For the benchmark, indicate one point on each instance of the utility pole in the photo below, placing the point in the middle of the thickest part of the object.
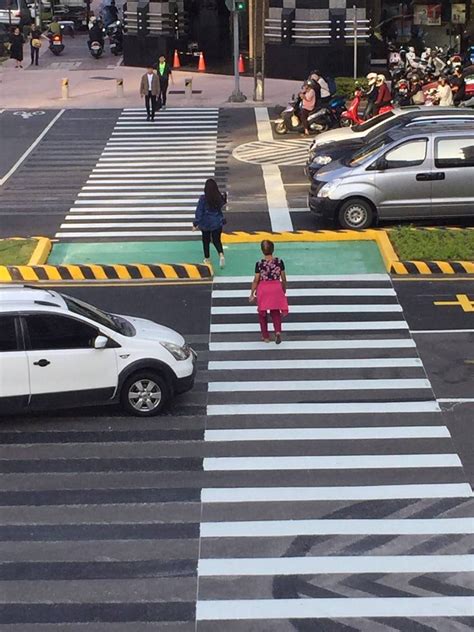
(235, 6)
(259, 14)
(355, 40)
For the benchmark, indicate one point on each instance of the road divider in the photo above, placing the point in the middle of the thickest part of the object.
(114, 272)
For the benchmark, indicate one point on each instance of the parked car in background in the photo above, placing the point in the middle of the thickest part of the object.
(57, 351)
(325, 154)
(407, 174)
(18, 10)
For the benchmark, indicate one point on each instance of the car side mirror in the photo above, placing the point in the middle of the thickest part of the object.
(100, 342)
(382, 164)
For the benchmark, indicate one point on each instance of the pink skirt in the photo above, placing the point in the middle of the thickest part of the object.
(270, 296)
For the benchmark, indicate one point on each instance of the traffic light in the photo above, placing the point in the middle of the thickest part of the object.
(287, 26)
(338, 27)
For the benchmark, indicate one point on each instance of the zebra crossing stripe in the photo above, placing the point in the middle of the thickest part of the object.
(308, 345)
(337, 608)
(320, 326)
(327, 308)
(334, 564)
(346, 408)
(338, 492)
(358, 363)
(284, 528)
(327, 434)
(332, 462)
(317, 385)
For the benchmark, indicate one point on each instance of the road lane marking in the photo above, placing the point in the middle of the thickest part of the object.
(327, 308)
(323, 363)
(24, 156)
(326, 278)
(312, 292)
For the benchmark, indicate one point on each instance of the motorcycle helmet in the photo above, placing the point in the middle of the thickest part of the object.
(380, 79)
(411, 49)
(371, 78)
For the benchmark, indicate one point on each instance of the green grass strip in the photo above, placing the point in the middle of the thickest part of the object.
(16, 252)
(432, 245)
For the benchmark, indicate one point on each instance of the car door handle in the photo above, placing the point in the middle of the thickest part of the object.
(423, 177)
(43, 362)
(439, 176)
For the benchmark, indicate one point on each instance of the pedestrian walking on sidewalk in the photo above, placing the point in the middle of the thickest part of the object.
(164, 74)
(269, 289)
(35, 44)
(16, 47)
(210, 220)
(149, 88)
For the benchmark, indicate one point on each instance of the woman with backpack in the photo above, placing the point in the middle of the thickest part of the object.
(210, 219)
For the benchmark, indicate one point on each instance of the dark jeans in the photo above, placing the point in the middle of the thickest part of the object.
(215, 235)
(163, 93)
(150, 104)
(34, 55)
(304, 118)
(369, 109)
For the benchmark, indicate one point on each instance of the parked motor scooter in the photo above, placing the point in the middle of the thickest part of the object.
(352, 117)
(56, 45)
(115, 35)
(319, 121)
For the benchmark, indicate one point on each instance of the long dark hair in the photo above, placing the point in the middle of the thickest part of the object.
(214, 197)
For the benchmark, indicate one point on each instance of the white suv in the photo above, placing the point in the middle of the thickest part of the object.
(57, 351)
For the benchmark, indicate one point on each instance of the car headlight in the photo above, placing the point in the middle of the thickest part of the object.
(322, 160)
(329, 187)
(178, 353)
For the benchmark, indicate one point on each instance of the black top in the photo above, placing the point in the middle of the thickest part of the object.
(270, 269)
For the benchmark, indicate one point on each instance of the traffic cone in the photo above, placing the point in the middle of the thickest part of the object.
(241, 64)
(176, 62)
(202, 63)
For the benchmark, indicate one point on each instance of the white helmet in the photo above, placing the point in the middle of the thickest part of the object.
(411, 49)
(371, 78)
(380, 80)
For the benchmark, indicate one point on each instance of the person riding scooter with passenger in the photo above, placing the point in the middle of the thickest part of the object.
(371, 95)
(318, 80)
(309, 97)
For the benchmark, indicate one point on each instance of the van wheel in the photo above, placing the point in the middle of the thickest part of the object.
(280, 128)
(144, 394)
(356, 213)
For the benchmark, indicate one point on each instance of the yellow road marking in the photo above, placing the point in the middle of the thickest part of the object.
(462, 301)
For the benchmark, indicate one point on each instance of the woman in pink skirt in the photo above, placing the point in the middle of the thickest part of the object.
(269, 288)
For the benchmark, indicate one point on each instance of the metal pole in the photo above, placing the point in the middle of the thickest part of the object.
(236, 96)
(355, 41)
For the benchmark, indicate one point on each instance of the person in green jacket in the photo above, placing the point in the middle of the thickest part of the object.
(164, 74)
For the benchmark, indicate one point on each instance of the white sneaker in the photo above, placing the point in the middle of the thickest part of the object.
(221, 261)
(207, 262)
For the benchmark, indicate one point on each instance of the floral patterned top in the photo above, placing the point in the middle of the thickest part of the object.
(270, 269)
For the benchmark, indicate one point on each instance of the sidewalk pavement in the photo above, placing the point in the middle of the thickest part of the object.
(89, 89)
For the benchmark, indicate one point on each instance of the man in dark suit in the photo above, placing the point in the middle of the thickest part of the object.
(164, 73)
(150, 88)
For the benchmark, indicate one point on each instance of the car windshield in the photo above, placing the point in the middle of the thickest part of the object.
(361, 155)
(363, 127)
(116, 323)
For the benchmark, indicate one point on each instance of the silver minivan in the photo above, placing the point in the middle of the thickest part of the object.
(404, 174)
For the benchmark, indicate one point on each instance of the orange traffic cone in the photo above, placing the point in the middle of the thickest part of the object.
(241, 64)
(202, 63)
(176, 62)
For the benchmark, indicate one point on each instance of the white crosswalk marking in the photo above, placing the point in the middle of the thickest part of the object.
(140, 176)
(332, 472)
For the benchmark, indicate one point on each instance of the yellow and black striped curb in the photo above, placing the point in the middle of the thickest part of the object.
(98, 272)
(432, 267)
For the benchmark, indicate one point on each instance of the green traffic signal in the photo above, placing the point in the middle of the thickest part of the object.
(240, 6)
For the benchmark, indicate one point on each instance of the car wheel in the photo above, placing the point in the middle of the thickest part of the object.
(144, 394)
(280, 128)
(356, 213)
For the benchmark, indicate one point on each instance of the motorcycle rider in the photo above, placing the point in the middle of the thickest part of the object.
(110, 13)
(458, 86)
(308, 104)
(96, 33)
(417, 96)
(54, 28)
(384, 97)
(316, 77)
(411, 62)
(371, 95)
